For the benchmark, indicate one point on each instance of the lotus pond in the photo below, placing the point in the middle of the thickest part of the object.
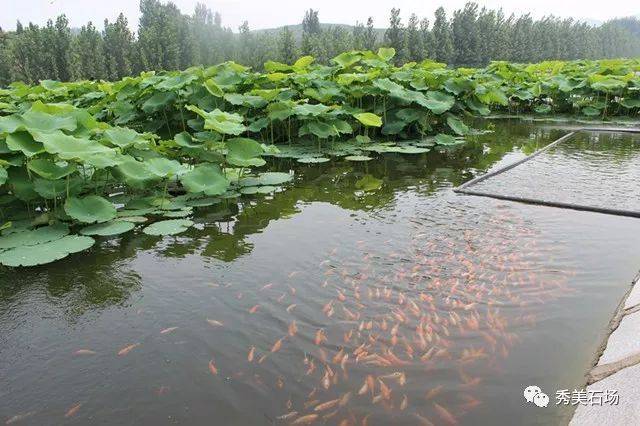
(366, 293)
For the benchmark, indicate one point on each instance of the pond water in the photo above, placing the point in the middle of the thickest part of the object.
(405, 304)
(596, 169)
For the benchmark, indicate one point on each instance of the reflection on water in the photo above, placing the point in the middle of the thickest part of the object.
(325, 303)
(598, 169)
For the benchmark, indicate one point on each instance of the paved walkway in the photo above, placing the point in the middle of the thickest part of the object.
(618, 369)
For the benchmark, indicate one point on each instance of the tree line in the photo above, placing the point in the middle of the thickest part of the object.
(167, 39)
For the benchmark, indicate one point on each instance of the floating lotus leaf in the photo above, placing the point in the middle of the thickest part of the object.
(408, 149)
(24, 142)
(135, 212)
(443, 139)
(368, 183)
(358, 158)
(178, 213)
(168, 227)
(115, 227)
(369, 119)
(203, 202)
(205, 178)
(49, 252)
(49, 169)
(249, 190)
(90, 209)
(134, 219)
(25, 237)
(244, 152)
(312, 160)
(267, 178)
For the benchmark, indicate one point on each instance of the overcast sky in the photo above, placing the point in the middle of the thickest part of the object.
(275, 13)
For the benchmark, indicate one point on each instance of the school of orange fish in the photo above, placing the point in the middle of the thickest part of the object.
(391, 323)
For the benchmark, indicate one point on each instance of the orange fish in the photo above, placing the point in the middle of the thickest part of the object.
(73, 410)
(326, 405)
(128, 349)
(168, 330)
(251, 354)
(254, 309)
(277, 345)
(445, 415)
(212, 368)
(84, 352)
(305, 420)
(293, 328)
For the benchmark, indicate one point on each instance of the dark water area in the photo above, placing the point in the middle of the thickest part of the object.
(596, 169)
(406, 304)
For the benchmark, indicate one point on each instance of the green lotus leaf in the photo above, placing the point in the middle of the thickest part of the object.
(408, 149)
(220, 121)
(158, 102)
(176, 82)
(165, 168)
(438, 102)
(369, 119)
(69, 147)
(267, 178)
(346, 59)
(244, 152)
(26, 237)
(10, 124)
(133, 219)
(90, 209)
(457, 125)
(386, 53)
(185, 140)
(205, 178)
(127, 213)
(42, 122)
(358, 158)
(443, 139)
(178, 213)
(543, 109)
(203, 202)
(24, 142)
(250, 190)
(124, 137)
(213, 88)
(115, 227)
(590, 111)
(312, 160)
(630, 103)
(608, 84)
(368, 183)
(134, 173)
(21, 185)
(49, 169)
(3, 175)
(168, 227)
(42, 254)
(303, 62)
(51, 189)
(320, 129)
(310, 109)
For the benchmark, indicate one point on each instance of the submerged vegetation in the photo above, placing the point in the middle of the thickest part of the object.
(102, 157)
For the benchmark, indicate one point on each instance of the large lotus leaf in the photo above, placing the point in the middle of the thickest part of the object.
(163, 167)
(51, 189)
(630, 103)
(49, 169)
(438, 102)
(320, 129)
(608, 84)
(368, 183)
(42, 254)
(24, 142)
(491, 95)
(27, 237)
(124, 137)
(21, 185)
(10, 123)
(369, 119)
(389, 86)
(42, 122)
(280, 110)
(409, 115)
(69, 147)
(303, 62)
(457, 125)
(168, 227)
(386, 53)
(158, 102)
(205, 178)
(267, 178)
(590, 111)
(133, 172)
(3, 175)
(176, 82)
(220, 121)
(310, 109)
(213, 88)
(244, 152)
(357, 158)
(246, 100)
(259, 124)
(443, 139)
(115, 227)
(90, 209)
(185, 140)
(346, 59)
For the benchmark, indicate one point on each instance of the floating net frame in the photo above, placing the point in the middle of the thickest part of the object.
(465, 187)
